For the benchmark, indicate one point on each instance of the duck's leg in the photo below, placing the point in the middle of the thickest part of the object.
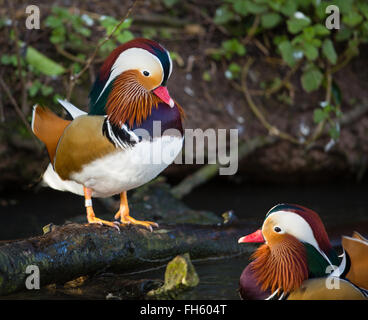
(124, 216)
(90, 214)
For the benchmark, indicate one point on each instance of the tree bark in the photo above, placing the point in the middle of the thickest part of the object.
(73, 250)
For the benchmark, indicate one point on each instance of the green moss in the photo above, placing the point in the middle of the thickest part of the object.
(180, 275)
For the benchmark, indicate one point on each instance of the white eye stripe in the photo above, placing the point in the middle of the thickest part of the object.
(134, 58)
(295, 225)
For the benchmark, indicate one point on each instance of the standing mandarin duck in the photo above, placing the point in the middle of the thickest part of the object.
(297, 257)
(109, 150)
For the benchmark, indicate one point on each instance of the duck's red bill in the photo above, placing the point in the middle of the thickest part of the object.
(255, 237)
(164, 95)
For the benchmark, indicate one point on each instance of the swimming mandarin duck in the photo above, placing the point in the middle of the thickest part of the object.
(132, 119)
(297, 261)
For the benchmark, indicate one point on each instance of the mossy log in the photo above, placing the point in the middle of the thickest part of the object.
(73, 250)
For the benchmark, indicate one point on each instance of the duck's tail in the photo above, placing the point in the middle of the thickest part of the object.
(48, 127)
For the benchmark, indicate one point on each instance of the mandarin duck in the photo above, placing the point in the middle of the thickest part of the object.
(297, 261)
(132, 118)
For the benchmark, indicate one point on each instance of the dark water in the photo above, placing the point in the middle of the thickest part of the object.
(343, 208)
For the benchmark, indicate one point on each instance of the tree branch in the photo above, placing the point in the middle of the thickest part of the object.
(74, 250)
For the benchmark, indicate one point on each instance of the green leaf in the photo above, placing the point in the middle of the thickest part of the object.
(241, 7)
(334, 132)
(270, 20)
(6, 59)
(344, 33)
(363, 7)
(170, 3)
(54, 22)
(298, 22)
(352, 19)
(223, 15)
(253, 7)
(206, 76)
(84, 31)
(33, 89)
(233, 46)
(336, 93)
(321, 30)
(287, 52)
(46, 90)
(235, 69)
(319, 115)
(345, 6)
(42, 63)
(311, 79)
(125, 36)
(328, 51)
(288, 8)
(310, 51)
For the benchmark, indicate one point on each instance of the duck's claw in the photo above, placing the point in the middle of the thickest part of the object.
(126, 220)
(103, 222)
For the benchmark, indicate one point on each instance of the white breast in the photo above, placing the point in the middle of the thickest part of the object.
(129, 168)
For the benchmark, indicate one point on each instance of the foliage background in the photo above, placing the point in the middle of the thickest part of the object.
(267, 67)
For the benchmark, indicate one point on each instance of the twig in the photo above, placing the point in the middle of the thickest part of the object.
(89, 61)
(68, 55)
(24, 104)
(252, 30)
(320, 127)
(206, 17)
(282, 84)
(2, 115)
(18, 110)
(271, 129)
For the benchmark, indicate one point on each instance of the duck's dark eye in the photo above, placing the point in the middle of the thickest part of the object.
(146, 73)
(277, 229)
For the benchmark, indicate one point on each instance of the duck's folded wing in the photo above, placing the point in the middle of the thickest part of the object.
(87, 139)
(326, 289)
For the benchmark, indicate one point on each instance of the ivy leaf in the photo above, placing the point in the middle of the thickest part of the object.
(328, 51)
(311, 79)
(270, 20)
